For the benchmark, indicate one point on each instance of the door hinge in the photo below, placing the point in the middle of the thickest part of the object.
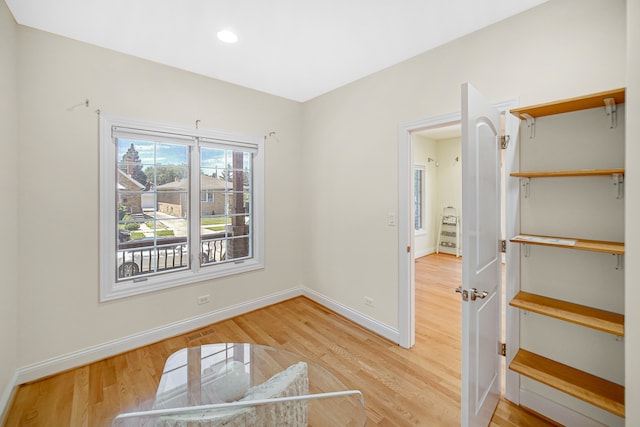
(504, 141)
(502, 349)
(463, 292)
(502, 245)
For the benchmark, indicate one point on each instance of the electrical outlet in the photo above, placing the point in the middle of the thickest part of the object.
(203, 299)
(368, 301)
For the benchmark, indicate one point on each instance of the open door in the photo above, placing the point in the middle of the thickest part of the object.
(482, 261)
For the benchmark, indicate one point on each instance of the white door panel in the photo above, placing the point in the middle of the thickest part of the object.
(481, 264)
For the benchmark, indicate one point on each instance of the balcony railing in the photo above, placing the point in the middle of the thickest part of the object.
(144, 256)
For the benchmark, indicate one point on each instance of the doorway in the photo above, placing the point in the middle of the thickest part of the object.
(407, 239)
(437, 190)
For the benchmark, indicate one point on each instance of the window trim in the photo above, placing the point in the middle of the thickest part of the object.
(110, 289)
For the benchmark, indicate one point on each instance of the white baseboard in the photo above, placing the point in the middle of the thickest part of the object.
(101, 351)
(561, 414)
(363, 320)
(5, 397)
(424, 252)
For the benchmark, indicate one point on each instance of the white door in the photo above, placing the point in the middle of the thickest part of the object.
(482, 261)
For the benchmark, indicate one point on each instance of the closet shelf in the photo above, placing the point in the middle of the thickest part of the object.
(601, 320)
(565, 173)
(569, 105)
(615, 248)
(590, 388)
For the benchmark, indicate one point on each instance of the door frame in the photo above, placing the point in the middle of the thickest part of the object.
(406, 240)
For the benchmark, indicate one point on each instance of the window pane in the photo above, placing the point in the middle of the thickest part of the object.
(212, 161)
(153, 214)
(225, 205)
(418, 189)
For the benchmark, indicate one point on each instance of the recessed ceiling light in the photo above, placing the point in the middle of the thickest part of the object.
(227, 36)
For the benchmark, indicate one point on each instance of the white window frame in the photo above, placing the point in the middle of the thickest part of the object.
(110, 288)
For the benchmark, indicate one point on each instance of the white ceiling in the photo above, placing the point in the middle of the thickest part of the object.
(297, 49)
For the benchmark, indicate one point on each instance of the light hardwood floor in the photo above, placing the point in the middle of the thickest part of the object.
(417, 387)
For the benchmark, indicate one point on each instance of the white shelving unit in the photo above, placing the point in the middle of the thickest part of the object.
(449, 231)
(572, 153)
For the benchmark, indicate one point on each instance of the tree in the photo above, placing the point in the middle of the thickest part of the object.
(164, 174)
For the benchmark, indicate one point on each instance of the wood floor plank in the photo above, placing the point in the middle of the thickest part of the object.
(416, 387)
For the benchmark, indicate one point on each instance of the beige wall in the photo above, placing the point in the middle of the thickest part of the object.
(632, 206)
(8, 193)
(58, 306)
(554, 51)
(449, 184)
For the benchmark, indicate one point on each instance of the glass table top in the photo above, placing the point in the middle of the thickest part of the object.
(237, 384)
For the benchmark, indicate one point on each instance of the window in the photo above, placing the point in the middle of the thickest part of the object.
(418, 199)
(177, 206)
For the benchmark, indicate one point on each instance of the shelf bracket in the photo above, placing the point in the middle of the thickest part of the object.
(526, 248)
(619, 262)
(618, 185)
(610, 109)
(531, 124)
(524, 182)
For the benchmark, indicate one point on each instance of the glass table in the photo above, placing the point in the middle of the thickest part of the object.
(234, 384)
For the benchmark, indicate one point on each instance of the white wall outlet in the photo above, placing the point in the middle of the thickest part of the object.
(203, 299)
(368, 301)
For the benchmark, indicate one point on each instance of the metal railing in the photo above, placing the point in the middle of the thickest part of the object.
(149, 255)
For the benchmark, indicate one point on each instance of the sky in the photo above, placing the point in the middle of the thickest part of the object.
(212, 159)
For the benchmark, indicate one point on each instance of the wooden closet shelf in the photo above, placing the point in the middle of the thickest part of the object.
(563, 173)
(615, 248)
(595, 390)
(590, 317)
(573, 104)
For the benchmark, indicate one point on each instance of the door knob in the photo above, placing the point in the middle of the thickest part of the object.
(475, 294)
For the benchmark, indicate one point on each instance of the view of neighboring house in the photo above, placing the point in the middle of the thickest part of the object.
(173, 196)
(130, 192)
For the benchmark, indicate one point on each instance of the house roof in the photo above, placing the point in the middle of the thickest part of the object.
(124, 177)
(206, 183)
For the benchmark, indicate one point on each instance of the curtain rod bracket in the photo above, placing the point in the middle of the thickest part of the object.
(271, 134)
(80, 104)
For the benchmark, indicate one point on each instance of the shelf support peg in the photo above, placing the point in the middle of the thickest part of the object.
(610, 109)
(531, 124)
(618, 185)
